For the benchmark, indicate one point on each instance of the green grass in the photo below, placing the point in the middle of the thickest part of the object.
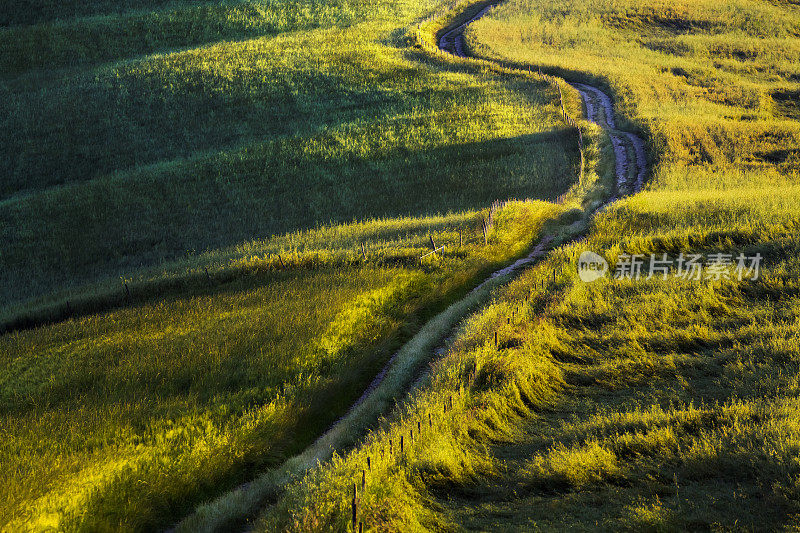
(715, 82)
(145, 159)
(130, 417)
(85, 39)
(658, 405)
(212, 216)
(615, 405)
(655, 404)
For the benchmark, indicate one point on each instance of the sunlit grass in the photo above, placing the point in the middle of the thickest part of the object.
(708, 79)
(621, 405)
(212, 219)
(131, 417)
(614, 392)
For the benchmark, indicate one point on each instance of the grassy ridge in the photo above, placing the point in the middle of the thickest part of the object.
(80, 42)
(246, 139)
(636, 405)
(130, 418)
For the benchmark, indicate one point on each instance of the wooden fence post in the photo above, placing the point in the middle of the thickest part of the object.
(354, 506)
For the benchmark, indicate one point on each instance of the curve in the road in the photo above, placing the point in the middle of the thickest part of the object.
(629, 148)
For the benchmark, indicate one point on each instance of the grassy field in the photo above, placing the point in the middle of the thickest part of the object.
(139, 159)
(130, 417)
(215, 157)
(716, 83)
(213, 215)
(655, 405)
(652, 404)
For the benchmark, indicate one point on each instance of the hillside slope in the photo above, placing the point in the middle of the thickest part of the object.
(182, 309)
(663, 402)
(234, 122)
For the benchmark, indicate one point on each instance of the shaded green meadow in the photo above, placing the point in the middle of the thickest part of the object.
(130, 417)
(139, 160)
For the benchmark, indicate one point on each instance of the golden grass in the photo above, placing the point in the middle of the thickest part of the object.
(263, 177)
(660, 405)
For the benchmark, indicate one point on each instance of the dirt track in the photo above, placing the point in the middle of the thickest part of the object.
(631, 167)
(629, 149)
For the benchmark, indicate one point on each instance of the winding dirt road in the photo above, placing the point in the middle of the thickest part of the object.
(629, 149)
(402, 372)
(631, 167)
